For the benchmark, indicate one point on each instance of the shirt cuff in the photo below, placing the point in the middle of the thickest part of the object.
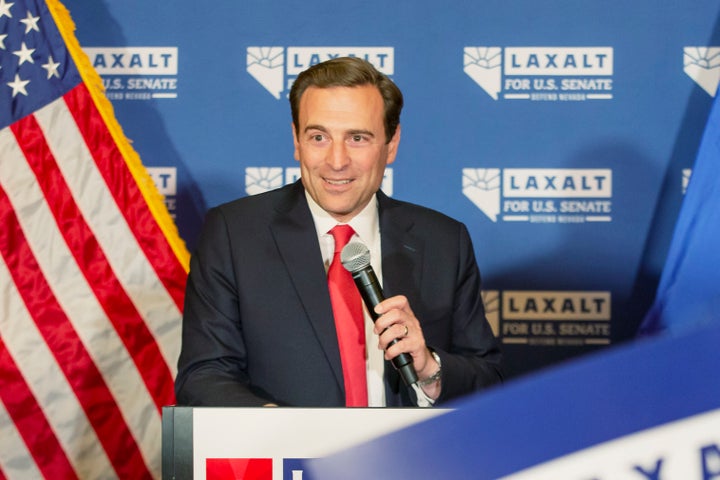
(422, 399)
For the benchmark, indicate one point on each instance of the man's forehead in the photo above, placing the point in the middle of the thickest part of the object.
(347, 105)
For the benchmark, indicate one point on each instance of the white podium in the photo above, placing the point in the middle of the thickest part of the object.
(271, 441)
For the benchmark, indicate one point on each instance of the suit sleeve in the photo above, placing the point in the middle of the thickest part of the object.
(212, 368)
(471, 360)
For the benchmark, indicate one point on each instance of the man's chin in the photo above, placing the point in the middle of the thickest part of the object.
(341, 213)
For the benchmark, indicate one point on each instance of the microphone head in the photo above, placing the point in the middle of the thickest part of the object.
(355, 256)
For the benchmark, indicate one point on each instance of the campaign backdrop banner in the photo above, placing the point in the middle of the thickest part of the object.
(562, 134)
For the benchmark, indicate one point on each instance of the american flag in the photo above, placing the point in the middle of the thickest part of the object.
(92, 270)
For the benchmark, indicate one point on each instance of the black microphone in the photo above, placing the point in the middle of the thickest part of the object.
(355, 257)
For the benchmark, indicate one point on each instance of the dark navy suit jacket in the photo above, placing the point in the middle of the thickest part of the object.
(258, 324)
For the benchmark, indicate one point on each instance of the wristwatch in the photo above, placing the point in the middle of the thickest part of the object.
(435, 376)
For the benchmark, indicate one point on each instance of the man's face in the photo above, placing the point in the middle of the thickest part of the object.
(340, 144)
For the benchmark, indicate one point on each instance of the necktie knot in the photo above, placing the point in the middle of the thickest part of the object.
(342, 235)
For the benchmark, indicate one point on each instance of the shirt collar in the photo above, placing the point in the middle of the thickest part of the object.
(366, 223)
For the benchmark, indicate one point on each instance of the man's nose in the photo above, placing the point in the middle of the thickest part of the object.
(338, 157)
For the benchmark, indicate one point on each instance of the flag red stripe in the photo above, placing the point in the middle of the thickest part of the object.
(67, 348)
(29, 420)
(88, 254)
(126, 192)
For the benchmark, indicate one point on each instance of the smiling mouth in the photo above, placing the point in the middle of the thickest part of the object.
(337, 182)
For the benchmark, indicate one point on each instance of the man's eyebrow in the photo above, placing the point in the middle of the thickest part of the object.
(357, 131)
(315, 127)
(361, 132)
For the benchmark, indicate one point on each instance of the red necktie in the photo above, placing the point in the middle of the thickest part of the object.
(349, 322)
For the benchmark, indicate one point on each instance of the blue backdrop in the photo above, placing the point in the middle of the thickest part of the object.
(561, 133)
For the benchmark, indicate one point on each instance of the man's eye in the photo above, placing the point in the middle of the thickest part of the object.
(317, 138)
(357, 139)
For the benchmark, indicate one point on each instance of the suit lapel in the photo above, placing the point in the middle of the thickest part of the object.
(296, 240)
(402, 253)
(402, 250)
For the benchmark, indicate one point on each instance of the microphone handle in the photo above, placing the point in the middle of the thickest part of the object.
(369, 287)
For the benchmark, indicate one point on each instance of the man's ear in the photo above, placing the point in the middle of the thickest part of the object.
(393, 145)
(296, 154)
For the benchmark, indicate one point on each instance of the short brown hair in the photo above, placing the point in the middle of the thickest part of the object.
(349, 72)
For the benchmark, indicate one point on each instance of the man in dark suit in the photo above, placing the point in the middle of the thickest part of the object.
(258, 325)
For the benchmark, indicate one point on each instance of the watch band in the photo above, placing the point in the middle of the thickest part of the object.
(435, 376)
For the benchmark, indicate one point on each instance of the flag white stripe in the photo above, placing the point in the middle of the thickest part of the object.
(107, 223)
(15, 459)
(80, 304)
(46, 381)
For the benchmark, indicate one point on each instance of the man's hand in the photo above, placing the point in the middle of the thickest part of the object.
(397, 321)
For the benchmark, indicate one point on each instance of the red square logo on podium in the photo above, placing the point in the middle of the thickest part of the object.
(238, 468)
